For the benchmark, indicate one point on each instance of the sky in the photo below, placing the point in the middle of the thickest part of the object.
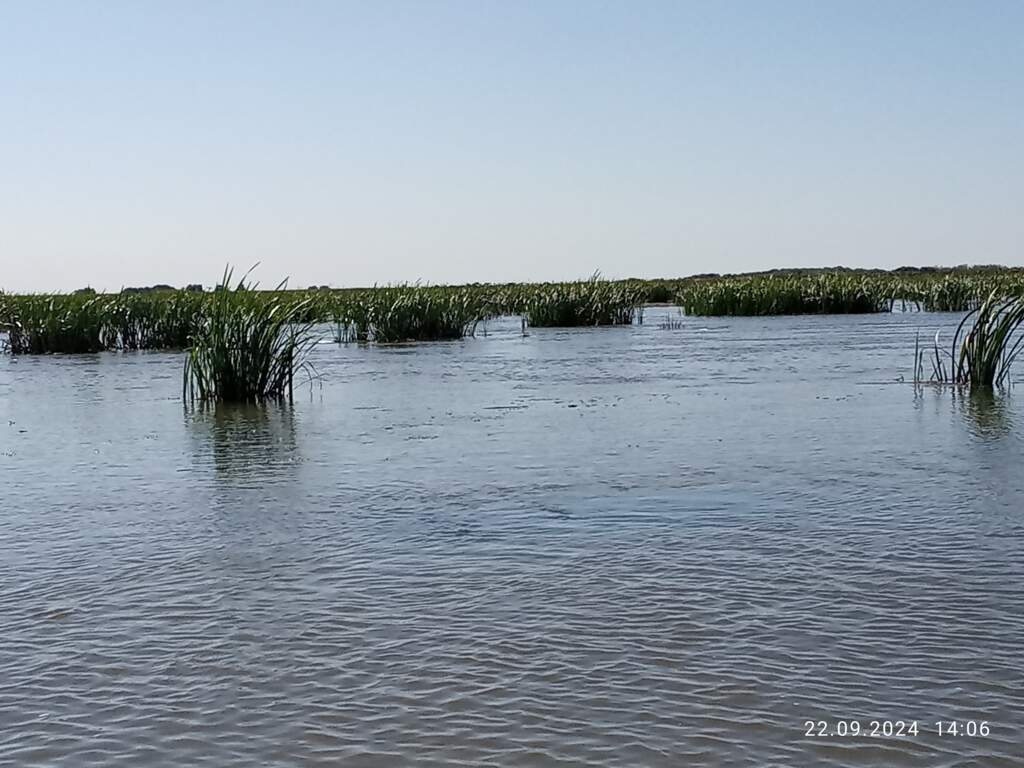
(359, 143)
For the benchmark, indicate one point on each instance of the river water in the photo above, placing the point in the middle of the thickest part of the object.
(642, 546)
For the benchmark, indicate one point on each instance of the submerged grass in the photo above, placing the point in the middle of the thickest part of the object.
(248, 348)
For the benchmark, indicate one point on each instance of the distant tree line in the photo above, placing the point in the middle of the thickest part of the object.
(191, 288)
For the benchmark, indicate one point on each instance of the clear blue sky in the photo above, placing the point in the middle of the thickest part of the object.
(353, 143)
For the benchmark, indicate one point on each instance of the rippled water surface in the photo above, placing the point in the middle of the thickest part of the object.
(595, 547)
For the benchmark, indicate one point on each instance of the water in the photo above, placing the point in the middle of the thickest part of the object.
(600, 547)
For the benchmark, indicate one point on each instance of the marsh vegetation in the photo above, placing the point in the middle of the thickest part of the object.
(169, 319)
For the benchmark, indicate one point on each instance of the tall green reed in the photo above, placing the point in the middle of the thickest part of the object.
(985, 345)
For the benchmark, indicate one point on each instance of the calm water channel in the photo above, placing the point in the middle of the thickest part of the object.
(597, 547)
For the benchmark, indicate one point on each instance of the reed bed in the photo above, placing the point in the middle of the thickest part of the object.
(589, 302)
(962, 293)
(784, 295)
(168, 319)
(72, 323)
(846, 292)
(159, 320)
(409, 313)
(81, 323)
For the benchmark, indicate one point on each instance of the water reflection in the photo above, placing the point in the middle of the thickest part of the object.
(988, 413)
(435, 550)
(245, 441)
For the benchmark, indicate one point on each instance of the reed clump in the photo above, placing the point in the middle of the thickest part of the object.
(985, 345)
(249, 346)
(424, 314)
(784, 295)
(589, 302)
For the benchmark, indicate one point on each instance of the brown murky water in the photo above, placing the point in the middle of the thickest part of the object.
(599, 547)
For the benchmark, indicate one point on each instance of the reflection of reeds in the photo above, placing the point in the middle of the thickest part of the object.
(245, 441)
(671, 324)
(248, 348)
(987, 412)
(982, 353)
